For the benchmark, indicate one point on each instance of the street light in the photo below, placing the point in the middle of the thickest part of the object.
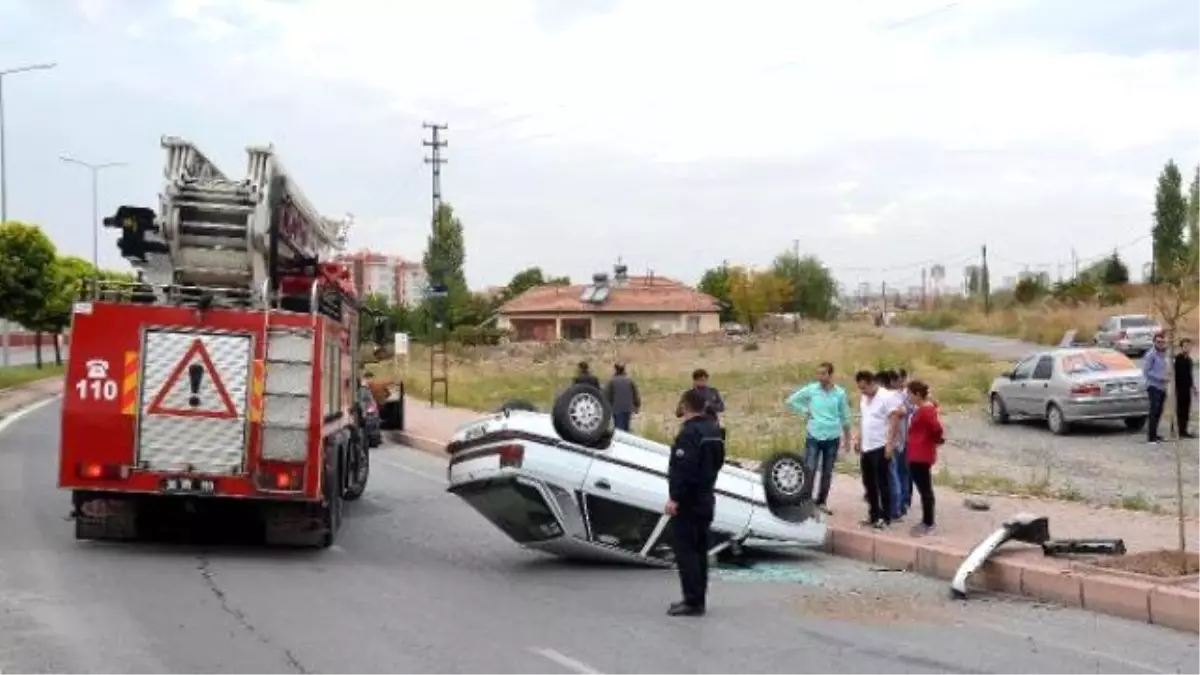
(3, 145)
(95, 169)
(4, 325)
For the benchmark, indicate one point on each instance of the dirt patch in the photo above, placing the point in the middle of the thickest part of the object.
(874, 607)
(1154, 563)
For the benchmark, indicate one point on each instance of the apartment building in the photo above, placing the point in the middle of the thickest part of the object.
(400, 281)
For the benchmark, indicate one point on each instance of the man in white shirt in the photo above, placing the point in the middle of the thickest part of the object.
(880, 411)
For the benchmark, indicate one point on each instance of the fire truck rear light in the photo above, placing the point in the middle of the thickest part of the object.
(284, 444)
(511, 456)
(90, 471)
(286, 479)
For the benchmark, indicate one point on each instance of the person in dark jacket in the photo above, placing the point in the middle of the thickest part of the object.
(622, 395)
(696, 459)
(715, 404)
(584, 375)
(1185, 387)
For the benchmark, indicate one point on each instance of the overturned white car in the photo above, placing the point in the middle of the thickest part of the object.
(569, 484)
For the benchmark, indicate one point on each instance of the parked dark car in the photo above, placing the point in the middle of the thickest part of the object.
(369, 418)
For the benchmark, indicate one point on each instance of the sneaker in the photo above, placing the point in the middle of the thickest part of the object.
(880, 525)
(921, 530)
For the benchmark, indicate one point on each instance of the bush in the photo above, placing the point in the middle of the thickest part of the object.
(479, 335)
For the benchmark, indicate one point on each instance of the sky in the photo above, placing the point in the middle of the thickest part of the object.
(883, 136)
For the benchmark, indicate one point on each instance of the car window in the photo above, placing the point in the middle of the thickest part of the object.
(1044, 368)
(1136, 322)
(1094, 361)
(517, 510)
(1024, 369)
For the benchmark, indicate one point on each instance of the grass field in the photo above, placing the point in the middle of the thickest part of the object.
(14, 376)
(754, 380)
(1042, 322)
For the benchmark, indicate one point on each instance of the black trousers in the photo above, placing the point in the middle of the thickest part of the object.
(1158, 398)
(922, 478)
(1183, 406)
(876, 471)
(690, 544)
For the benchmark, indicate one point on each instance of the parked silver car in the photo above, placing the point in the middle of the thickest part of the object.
(1069, 385)
(1130, 334)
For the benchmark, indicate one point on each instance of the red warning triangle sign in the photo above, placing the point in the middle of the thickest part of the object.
(186, 393)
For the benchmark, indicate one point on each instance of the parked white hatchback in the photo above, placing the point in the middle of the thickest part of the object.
(569, 484)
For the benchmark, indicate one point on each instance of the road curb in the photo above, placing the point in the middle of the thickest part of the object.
(1162, 603)
(428, 446)
(9, 407)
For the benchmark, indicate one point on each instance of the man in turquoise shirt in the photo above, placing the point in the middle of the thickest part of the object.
(828, 425)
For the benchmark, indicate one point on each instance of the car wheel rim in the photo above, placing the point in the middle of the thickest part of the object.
(1055, 419)
(788, 477)
(585, 413)
(995, 409)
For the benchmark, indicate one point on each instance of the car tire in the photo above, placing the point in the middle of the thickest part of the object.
(517, 404)
(1135, 423)
(1056, 421)
(786, 480)
(997, 411)
(581, 415)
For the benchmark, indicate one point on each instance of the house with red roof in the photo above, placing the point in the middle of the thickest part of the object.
(619, 306)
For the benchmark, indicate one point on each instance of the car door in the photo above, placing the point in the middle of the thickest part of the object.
(624, 494)
(1015, 393)
(1037, 389)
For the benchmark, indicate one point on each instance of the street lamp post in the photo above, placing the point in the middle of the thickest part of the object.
(95, 169)
(4, 325)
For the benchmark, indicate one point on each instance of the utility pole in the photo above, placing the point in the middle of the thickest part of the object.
(985, 282)
(796, 300)
(923, 284)
(1074, 264)
(436, 283)
(883, 297)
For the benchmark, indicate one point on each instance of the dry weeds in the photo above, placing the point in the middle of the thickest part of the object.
(753, 375)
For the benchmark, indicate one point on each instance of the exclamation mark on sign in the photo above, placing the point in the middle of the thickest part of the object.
(195, 375)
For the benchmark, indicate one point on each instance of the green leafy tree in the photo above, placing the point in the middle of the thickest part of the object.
(1029, 289)
(27, 260)
(445, 256)
(69, 277)
(1170, 222)
(1114, 271)
(813, 289)
(1193, 208)
(755, 293)
(530, 277)
(715, 282)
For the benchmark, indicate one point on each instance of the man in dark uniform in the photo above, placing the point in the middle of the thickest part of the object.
(696, 458)
(583, 375)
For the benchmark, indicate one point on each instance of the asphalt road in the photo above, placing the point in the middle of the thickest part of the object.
(419, 582)
(993, 345)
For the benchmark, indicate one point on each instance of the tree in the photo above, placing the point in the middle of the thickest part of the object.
(69, 276)
(530, 277)
(26, 273)
(445, 256)
(1177, 296)
(812, 289)
(1029, 289)
(754, 293)
(974, 279)
(1193, 207)
(1114, 271)
(1170, 220)
(715, 282)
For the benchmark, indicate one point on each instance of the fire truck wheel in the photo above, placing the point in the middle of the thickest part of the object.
(331, 510)
(358, 470)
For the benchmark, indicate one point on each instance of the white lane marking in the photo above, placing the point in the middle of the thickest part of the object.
(11, 419)
(573, 665)
(406, 469)
(1087, 654)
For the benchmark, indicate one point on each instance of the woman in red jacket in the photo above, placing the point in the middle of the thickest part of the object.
(924, 437)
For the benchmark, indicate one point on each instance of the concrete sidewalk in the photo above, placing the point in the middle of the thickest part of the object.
(15, 398)
(1018, 569)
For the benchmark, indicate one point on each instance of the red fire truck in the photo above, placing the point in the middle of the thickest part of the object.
(226, 376)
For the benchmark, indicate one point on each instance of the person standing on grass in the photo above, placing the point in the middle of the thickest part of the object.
(1185, 386)
(880, 410)
(1154, 368)
(584, 376)
(622, 395)
(925, 434)
(716, 404)
(827, 428)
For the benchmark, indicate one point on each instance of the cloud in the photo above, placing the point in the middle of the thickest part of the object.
(675, 134)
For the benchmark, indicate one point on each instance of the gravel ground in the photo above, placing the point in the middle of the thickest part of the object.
(1101, 463)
